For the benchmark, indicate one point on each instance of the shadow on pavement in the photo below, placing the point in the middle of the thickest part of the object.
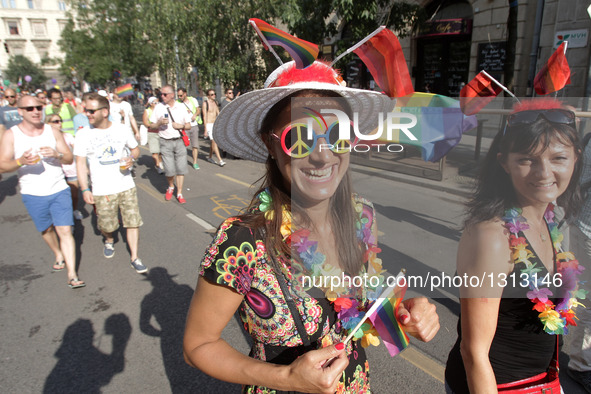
(82, 368)
(8, 187)
(168, 303)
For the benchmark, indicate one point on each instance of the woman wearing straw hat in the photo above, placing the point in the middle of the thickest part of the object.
(304, 220)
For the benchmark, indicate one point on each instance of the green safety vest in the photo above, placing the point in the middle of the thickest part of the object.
(193, 105)
(66, 115)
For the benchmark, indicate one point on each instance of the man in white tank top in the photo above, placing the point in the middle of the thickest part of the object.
(38, 152)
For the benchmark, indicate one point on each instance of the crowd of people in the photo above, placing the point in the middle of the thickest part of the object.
(306, 218)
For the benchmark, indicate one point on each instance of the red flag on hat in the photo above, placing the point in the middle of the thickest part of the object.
(478, 93)
(383, 56)
(555, 74)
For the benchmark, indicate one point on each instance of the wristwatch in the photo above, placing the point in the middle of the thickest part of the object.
(60, 155)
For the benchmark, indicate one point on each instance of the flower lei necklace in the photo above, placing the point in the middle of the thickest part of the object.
(349, 310)
(555, 318)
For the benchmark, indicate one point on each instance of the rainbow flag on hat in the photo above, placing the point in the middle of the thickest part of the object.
(124, 90)
(303, 52)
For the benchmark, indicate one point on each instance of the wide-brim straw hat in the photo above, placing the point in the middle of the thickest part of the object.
(237, 128)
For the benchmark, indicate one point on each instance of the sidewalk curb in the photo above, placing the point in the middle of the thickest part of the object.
(455, 189)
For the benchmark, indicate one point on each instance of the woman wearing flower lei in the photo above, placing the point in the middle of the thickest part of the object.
(509, 325)
(304, 220)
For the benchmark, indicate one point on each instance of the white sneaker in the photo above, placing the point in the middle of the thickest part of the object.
(78, 215)
(159, 170)
(222, 163)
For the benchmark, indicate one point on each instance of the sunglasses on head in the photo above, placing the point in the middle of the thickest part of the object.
(92, 111)
(35, 107)
(554, 116)
(296, 142)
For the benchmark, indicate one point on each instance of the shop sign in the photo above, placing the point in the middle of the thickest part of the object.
(445, 27)
(575, 38)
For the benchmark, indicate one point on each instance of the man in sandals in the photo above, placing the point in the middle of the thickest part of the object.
(37, 152)
(110, 150)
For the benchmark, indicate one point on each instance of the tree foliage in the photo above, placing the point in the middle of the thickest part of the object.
(174, 36)
(19, 66)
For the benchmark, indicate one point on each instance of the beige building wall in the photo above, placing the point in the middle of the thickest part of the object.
(32, 28)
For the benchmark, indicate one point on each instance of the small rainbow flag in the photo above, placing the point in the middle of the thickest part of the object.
(386, 324)
(303, 52)
(382, 54)
(555, 74)
(124, 90)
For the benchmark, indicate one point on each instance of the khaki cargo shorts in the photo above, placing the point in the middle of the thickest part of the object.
(107, 210)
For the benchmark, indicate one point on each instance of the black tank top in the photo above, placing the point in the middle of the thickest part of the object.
(520, 348)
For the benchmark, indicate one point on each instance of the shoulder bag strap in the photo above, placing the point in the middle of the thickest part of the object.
(295, 313)
(171, 118)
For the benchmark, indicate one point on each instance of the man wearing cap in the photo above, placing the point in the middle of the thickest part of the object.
(109, 151)
(193, 109)
(37, 152)
(171, 117)
(9, 115)
(64, 110)
(153, 138)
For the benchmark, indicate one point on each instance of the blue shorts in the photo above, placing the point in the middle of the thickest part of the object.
(55, 209)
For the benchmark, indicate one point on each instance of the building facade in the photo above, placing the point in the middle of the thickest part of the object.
(32, 28)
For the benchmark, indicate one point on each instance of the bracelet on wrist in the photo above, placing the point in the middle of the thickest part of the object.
(18, 162)
(85, 190)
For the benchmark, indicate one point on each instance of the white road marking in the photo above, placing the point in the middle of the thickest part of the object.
(200, 222)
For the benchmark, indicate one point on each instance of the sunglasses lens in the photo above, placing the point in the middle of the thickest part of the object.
(560, 116)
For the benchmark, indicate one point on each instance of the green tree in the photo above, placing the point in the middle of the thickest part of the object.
(106, 35)
(19, 66)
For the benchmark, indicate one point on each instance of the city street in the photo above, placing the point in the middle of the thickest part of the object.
(122, 333)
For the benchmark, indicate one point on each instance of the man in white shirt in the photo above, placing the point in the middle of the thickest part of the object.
(37, 152)
(110, 152)
(122, 112)
(171, 117)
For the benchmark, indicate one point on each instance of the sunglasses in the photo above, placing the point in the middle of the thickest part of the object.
(213, 94)
(92, 111)
(31, 109)
(166, 94)
(10, 96)
(554, 116)
(55, 121)
(297, 144)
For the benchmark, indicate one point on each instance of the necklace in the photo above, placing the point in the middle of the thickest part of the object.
(555, 318)
(351, 308)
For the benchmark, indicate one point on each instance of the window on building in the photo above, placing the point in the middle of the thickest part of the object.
(13, 29)
(8, 4)
(12, 3)
(38, 28)
(61, 25)
(30, 4)
(61, 5)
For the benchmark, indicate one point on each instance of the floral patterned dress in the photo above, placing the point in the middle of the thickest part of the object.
(238, 258)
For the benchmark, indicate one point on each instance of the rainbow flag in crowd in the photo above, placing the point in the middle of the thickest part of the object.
(440, 124)
(386, 324)
(124, 90)
(478, 93)
(303, 52)
(383, 56)
(555, 74)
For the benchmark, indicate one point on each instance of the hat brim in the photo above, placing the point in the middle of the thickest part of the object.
(237, 128)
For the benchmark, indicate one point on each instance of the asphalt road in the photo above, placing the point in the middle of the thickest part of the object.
(123, 332)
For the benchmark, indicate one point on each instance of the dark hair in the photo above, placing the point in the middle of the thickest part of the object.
(343, 215)
(494, 190)
(54, 90)
(182, 90)
(103, 102)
